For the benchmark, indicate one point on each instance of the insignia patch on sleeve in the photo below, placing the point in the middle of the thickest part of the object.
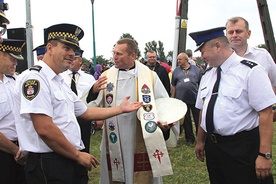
(30, 89)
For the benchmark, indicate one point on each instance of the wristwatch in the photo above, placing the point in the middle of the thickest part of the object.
(266, 155)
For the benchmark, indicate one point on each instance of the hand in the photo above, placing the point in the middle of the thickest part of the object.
(99, 84)
(87, 160)
(165, 126)
(127, 106)
(21, 157)
(199, 151)
(263, 167)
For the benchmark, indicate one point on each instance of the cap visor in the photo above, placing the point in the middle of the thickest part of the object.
(19, 57)
(199, 47)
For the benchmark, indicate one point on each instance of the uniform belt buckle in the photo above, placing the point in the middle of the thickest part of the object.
(214, 138)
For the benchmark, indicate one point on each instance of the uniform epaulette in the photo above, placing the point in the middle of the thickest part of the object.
(10, 76)
(36, 67)
(208, 69)
(249, 63)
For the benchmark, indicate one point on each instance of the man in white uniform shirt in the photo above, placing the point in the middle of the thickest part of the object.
(236, 129)
(46, 110)
(238, 32)
(11, 172)
(83, 83)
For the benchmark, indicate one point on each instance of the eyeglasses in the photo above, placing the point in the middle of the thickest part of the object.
(3, 29)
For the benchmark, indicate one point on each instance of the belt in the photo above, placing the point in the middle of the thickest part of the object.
(216, 138)
(141, 162)
(46, 155)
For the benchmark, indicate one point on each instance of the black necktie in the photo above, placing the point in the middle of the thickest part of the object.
(210, 108)
(73, 83)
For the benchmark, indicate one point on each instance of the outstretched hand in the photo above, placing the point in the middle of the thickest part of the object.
(127, 106)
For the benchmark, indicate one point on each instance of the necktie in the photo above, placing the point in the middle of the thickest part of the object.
(210, 108)
(73, 83)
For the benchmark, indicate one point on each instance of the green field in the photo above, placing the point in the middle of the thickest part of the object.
(187, 169)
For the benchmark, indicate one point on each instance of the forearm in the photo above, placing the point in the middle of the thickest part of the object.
(92, 95)
(7, 146)
(266, 129)
(201, 135)
(97, 113)
(173, 92)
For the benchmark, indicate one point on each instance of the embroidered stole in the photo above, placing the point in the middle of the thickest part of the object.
(151, 157)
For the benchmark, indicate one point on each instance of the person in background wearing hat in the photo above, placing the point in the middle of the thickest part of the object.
(126, 129)
(4, 21)
(80, 82)
(185, 82)
(46, 111)
(236, 127)
(11, 158)
(40, 51)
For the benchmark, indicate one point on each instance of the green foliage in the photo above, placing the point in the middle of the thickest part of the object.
(158, 48)
(186, 168)
(100, 60)
(127, 35)
(262, 46)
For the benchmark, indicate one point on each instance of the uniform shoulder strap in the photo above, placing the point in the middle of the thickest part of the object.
(250, 64)
(36, 67)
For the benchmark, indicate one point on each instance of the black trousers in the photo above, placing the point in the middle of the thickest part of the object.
(188, 124)
(11, 172)
(232, 161)
(51, 168)
(85, 127)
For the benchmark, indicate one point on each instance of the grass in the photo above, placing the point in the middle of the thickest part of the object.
(187, 169)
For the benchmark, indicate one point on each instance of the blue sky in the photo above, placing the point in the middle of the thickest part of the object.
(145, 20)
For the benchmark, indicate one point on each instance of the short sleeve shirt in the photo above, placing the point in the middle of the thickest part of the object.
(7, 120)
(44, 92)
(244, 90)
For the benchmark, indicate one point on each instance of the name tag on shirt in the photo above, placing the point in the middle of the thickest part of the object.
(186, 80)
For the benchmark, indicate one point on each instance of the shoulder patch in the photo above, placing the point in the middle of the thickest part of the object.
(208, 69)
(249, 63)
(30, 89)
(10, 76)
(36, 67)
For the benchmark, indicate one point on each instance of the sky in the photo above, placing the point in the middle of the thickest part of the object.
(145, 20)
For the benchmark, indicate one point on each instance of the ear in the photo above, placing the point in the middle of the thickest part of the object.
(248, 34)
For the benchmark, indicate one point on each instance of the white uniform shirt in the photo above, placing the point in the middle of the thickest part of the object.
(53, 98)
(262, 56)
(243, 92)
(84, 81)
(7, 120)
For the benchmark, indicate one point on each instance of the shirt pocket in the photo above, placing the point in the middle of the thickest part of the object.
(203, 94)
(5, 107)
(230, 98)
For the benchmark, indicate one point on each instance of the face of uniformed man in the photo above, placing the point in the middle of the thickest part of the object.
(62, 55)
(237, 34)
(7, 63)
(76, 64)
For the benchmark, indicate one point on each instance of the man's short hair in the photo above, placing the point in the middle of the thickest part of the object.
(131, 45)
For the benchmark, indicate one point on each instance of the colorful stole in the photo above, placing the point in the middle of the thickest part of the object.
(151, 157)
